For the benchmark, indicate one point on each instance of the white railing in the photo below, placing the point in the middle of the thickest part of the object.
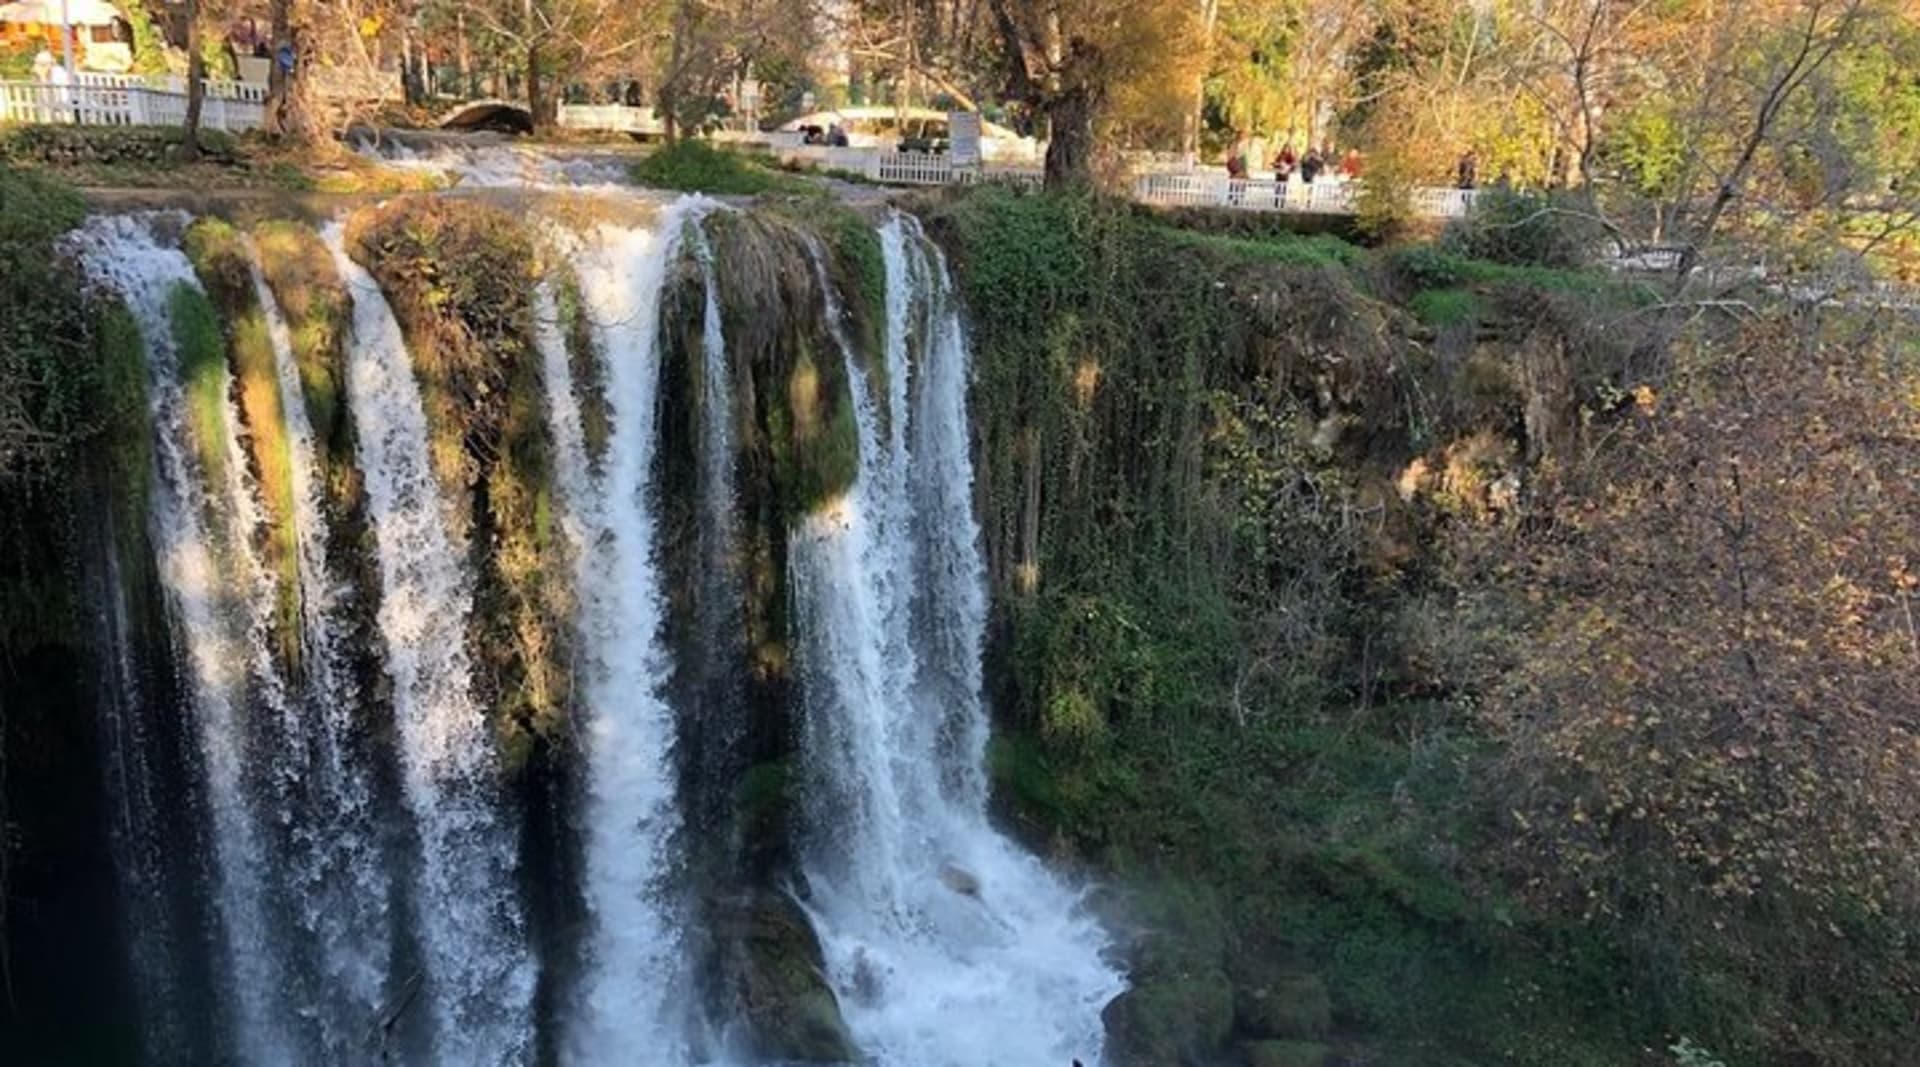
(1316, 198)
(233, 106)
(913, 168)
(175, 83)
(615, 117)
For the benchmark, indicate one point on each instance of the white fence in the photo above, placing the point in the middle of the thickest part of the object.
(900, 168)
(129, 100)
(1317, 198)
(615, 117)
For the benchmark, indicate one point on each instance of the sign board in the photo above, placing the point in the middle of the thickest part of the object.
(963, 138)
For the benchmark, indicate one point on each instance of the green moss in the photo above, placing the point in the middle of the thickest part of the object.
(460, 277)
(123, 360)
(200, 349)
(1316, 250)
(1286, 1054)
(299, 270)
(584, 363)
(1445, 307)
(223, 262)
(695, 166)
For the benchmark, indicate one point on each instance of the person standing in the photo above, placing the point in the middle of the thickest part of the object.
(1350, 164)
(1467, 173)
(1311, 165)
(1284, 163)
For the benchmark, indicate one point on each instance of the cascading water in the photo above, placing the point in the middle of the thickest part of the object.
(334, 870)
(200, 531)
(346, 935)
(630, 995)
(946, 942)
(476, 976)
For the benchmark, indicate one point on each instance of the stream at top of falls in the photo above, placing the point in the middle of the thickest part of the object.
(363, 853)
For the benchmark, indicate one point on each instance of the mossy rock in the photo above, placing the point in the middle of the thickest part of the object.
(1285, 1054)
(779, 984)
(1170, 1021)
(223, 264)
(1293, 1007)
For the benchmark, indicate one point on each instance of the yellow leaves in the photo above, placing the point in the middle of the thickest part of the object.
(370, 27)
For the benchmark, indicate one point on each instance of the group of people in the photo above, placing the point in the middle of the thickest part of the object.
(1310, 166)
(834, 136)
(1315, 162)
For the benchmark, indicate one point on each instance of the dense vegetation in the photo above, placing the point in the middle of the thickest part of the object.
(1375, 652)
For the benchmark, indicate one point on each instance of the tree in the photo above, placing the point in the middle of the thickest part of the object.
(1714, 705)
(711, 42)
(560, 42)
(290, 107)
(196, 81)
(1067, 58)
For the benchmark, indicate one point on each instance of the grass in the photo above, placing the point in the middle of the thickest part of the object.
(1445, 307)
(694, 166)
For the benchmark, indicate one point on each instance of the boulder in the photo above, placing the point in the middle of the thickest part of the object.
(1291, 1007)
(1285, 1054)
(960, 880)
(774, 970)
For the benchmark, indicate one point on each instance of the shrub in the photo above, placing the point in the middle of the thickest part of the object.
(697, 167)
(1522, 229)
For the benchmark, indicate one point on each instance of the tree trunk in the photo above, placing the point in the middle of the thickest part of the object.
(463, 56)
(539, 106)
(1070, 139)
(196, 83)
(290, 113)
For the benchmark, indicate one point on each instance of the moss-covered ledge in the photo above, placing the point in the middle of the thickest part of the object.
(460, 276)
(223, 263)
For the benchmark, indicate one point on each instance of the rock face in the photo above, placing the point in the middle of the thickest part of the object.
(773, 969)
(1294, 1007)
(1170, 1021)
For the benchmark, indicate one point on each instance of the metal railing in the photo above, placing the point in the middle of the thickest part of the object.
(120, 100)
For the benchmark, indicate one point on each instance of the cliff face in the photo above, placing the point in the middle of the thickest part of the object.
(629, 546)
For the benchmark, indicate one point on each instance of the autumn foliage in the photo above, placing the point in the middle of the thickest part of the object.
(1714, 711)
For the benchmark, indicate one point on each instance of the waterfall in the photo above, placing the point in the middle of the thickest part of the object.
(133, 747)
(477, 974)
(346, 932)
(201, 532)
(632, 992)
(927, 915)
(335, 871)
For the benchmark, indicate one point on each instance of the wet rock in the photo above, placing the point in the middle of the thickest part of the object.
(775, 972)
(1295, 1006)
(959, 880)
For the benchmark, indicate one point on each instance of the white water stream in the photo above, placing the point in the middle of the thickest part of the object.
(477, 975)
(948, 944)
